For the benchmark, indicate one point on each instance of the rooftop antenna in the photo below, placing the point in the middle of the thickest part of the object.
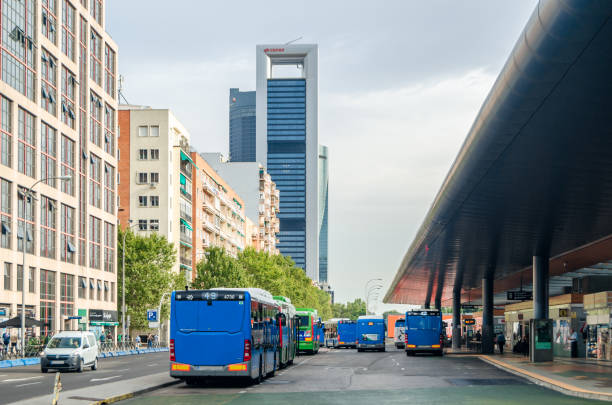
(290, 42)
(120, 92)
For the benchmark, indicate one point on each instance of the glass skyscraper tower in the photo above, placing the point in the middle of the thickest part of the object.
(323, 212)
(287, 145)
(242, 126)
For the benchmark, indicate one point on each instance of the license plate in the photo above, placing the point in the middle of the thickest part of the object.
(424, 346)
(57, 362)
(208, 368)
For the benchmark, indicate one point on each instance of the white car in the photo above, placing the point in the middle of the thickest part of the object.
(399, 336)
(70, 351)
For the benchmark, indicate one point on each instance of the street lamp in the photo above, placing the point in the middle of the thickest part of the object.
(366, 290)
(373, 289)
(27, 193)
(127, 228)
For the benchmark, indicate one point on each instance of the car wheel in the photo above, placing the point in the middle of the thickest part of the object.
(43, 370)
(94, 366)
(79, 367)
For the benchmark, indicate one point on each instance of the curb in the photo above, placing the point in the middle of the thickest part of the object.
(129, 395)
(547, 382)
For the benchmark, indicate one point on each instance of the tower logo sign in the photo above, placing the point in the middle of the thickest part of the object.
(267, 50)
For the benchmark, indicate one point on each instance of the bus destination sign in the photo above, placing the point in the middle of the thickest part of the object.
(424, 313)
(199, 295)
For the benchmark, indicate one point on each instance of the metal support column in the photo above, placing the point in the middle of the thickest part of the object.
(456, 318)
(487, 315)
(540, 287)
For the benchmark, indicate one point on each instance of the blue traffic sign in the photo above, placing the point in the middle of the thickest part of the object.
(152, 315)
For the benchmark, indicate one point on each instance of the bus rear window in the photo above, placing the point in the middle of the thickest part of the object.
(400, 323)
(212, 316)
(304, 320)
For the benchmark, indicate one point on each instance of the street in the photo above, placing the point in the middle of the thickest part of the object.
(20, 383)
(345, 376)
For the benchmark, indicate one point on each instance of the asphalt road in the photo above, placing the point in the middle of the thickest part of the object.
(19, 383)
(344, 376)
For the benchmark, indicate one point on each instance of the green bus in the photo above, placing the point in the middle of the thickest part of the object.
(288, 333)
(309, 330)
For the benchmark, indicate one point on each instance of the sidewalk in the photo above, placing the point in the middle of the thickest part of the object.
(577, 377)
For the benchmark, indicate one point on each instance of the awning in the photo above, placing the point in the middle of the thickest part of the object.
(185, 156)
(183, 179)
(91, 284)
(83, 283)
(186, 244)
(186, 224)
(236, 201)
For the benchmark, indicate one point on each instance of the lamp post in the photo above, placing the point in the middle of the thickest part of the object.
(373, 288)
(28, 194)
(366, 290)
(127, 228)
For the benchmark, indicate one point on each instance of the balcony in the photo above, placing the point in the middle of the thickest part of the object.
(208, 206)
(186, 193)
(186, 260)
(186, 216)
(186, 238)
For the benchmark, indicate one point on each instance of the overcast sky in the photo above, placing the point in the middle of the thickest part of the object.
(400, 83)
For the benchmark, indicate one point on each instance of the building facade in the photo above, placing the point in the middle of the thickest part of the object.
(287, 145)
(242, 126)
(218, 212)
(58, 106)
(260, 196)
(155, 178)
(323, 212)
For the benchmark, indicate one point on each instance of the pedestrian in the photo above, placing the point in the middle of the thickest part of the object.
(478, 336)
(156, 340)
(102, 338)
(525, 346)
(501, 341)
(137, 340)
(14, 342)
(573, 341)
(109, 337)
(6, 340)
(150, 341)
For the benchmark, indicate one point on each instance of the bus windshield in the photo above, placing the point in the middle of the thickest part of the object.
(304, 320)
(400, 323)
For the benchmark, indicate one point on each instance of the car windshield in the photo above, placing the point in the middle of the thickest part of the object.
(64, 343)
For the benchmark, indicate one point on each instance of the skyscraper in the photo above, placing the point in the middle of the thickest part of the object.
(323, 212)
(287, 144)
(242, 126)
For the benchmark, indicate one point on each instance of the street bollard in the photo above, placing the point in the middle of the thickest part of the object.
(57, 387)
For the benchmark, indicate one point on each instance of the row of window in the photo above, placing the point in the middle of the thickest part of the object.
(143, 154)
(142, 177)
(148, 201)
(148, 224)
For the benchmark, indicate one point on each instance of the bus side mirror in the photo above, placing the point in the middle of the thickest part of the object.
(281, 318)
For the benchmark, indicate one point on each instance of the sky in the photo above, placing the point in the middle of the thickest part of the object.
(400, 83)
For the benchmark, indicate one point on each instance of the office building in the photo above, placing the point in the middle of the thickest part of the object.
(287, 144)
(218, 212)
(155, 178)
(242, 126)
(323, 212)
(57, 118)
(260, 195)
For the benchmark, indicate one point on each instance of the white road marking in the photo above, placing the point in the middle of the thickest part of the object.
(152, 364)
(23, 385)
(242, 392)
(403, 369)
(105, 378)
(20, 379)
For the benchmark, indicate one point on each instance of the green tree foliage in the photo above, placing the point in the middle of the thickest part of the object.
(148, 274)
(274, 273)
(392, 312)
(351, 310)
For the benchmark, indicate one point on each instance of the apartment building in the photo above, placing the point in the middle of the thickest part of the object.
(218, 212)
(155, 178)
(260, 195)
(58, 119)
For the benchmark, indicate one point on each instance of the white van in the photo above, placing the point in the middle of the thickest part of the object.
(70, 350)
(399, 333)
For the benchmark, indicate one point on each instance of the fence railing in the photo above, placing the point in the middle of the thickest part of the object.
(11, 352)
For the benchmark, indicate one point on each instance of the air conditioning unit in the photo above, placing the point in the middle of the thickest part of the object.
(152, 185)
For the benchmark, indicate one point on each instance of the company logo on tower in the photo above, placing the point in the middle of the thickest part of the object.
(268, 50)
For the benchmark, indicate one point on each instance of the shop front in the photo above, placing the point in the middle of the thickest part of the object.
(103, 322)
(598, 308)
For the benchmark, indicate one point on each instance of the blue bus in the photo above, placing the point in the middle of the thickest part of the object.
(371, 333)
(347, 333)
(424, 332)
(287, 322)
(225, 332)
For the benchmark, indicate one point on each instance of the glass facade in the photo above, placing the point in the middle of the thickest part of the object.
(323, 212)
(242, 126)
(287, 162)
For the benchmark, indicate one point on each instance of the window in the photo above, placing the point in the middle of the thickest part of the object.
(99, 295)
(112, 291)
(94, 242)
(82, 288)
(26, 162)
(154, 224)
(92, 289)
(109, 247)
(95, 123)
(25, 226)
(5, 213)
(68, 97)
(48, 72)
(109, 71)
(47, 227)
(155, 131)
(95, 8)
(154, 154)
(17, 45)
(6, 140)
(142, 154)
(47, 298)
(142, 178)
(94, 180)
(142, 224)
(154, 201)
(109, 130)
(8, 270)
(32, 280)
(106, 291)
(83, 62)
(95, 67)
(143, 131)
(48, 156)
(154, 177)
(109, 188)
(67, 244)
(49, 19)
(142, 201)
(67, 294)
(68, 29)
(67, 165)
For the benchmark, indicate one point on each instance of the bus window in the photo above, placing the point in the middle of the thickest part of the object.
(304, 320)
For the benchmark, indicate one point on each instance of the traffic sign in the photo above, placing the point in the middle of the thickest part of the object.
(152, 315)
(519, 295)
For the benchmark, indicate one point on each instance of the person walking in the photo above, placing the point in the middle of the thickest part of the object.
(150, 341)
(501, 341)
(6, 340)
(573, 341)
(137, 341)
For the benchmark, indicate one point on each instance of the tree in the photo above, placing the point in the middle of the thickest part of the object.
(219, 270)
(148, 275)
(351, 310)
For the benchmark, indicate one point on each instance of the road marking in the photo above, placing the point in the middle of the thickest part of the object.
(403, 369)
(105, 378)
(23, 385)
(20, 379)
(152, 364)
(242, 392)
